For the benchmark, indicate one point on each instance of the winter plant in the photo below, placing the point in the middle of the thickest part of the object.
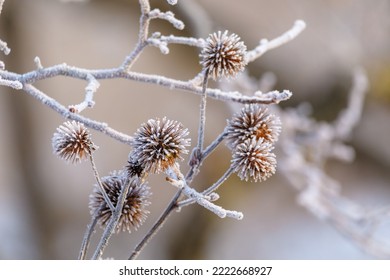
(120, 200)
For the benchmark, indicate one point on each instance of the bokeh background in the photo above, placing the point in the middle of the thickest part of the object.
(44, 201)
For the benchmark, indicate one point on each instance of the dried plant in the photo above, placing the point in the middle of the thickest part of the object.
(119, 201)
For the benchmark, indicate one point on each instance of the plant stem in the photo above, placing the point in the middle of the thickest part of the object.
(202, 119)
(112, 224)
(97, 177)
(88, 233)
(209, 190)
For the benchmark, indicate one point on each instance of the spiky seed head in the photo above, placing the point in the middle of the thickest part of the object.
(223, 55)
(158, 144)
(253, 160)
(253, 121)
(72, 142)
(134, 210)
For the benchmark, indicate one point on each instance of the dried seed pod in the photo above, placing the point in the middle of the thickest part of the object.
(134, 210)
(223, 55)
(72, 142)
(158, 144)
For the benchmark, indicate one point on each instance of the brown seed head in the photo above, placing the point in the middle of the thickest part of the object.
(134, 211)
(158, 144)
(223, 55)
(253, 121)
(72, 142)
(254, 160)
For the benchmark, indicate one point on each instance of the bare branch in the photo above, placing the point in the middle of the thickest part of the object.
(88, 102)
(168, 16)
(171, 39)
(12, 84)
(177, 179)
(142, 36)
(266, 45)
(350, 117)
(62, 110)
(116, 214)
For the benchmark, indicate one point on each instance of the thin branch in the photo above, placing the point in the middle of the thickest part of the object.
(272, 97)
(193, 42)
(99, 182)
(62, 110)
(202, 113)
(113, 222)
(12, 84)
(88, 102)
(177, 179)
(209, 190)
(350, 117)
(168, 16)
(266, 45)
(88, 234)
(142, 36)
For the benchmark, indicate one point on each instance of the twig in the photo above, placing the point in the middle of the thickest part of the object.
(266, 45)
(142, 36)
(113, 222)
(88, 102)
(88, 233)
(350, 117)
(202, 113)
(115, 73)
(56, 106)
(99, 182)
(168, 16)
(193, 42)
(38, 63)
(12, 84)
(209, 190)
(177, 179)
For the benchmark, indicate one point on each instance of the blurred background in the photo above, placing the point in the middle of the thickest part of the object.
(44, 201)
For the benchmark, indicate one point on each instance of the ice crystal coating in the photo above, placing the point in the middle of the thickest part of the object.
(223, 55)
(253, 121)
(134, 210)
(72, 142)
(157, 145)
(253, 160)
